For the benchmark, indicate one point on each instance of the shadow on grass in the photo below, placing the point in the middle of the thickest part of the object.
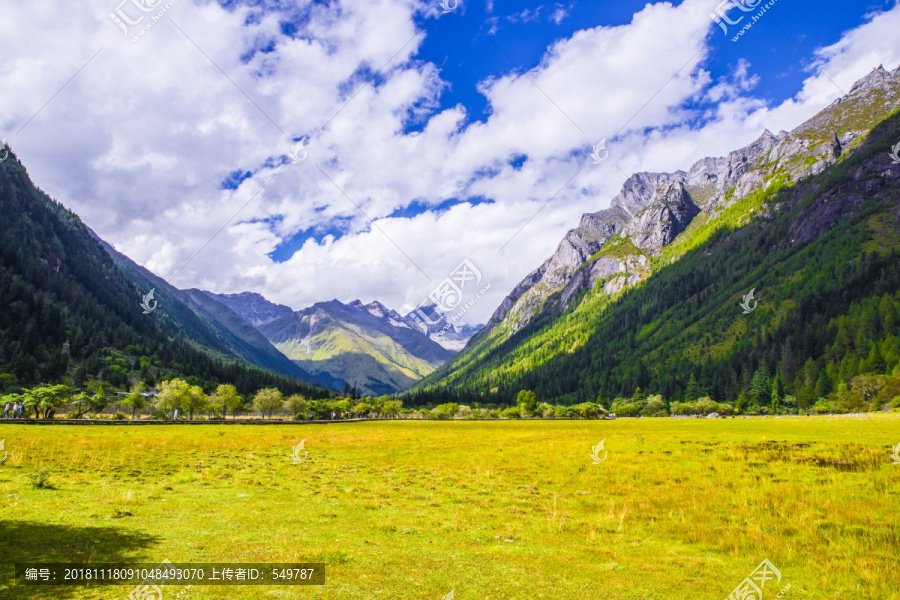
(30, 542)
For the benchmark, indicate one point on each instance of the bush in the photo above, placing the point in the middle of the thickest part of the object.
(444, 411)
(511, 413)
(725, 409)
(624, 410)
(40, 480)
(586, 410)
(655, 407)
(119, 416)
(561, 412)
(464, 412)
(706, 406)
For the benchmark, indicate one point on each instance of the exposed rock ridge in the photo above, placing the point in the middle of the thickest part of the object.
(653, 208)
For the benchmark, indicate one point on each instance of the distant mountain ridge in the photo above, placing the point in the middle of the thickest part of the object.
(653, 208)
(643, 293)
(254, 309)
(369, 346)
(211, 323)
(74, 311)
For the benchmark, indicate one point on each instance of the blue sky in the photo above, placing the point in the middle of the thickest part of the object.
(467, 57)
(485, 40)
(175, 147)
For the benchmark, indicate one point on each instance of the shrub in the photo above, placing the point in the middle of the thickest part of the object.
(706, 406)
(624, 409)
(655, 407)
(40, 480)
(119, 416)
(444, 411)
(586, 410)
(511, 413)
(464, 412)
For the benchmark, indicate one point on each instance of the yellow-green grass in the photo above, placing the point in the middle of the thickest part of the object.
(680, 509)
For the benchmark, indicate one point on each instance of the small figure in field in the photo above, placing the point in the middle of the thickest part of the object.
(332, 415)
(6, 410)
(175, 417)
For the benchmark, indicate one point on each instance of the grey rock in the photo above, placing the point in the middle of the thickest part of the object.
(651, 209)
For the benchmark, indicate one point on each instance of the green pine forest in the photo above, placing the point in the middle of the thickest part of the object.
(825, 334)
(70, 314)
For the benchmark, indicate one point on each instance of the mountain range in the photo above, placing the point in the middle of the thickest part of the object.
(75, 312)
(367, 346)
(644, 294)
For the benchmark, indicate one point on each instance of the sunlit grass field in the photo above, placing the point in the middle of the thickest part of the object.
(681, 509)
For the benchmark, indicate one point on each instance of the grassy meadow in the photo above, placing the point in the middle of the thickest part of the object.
(681, 509)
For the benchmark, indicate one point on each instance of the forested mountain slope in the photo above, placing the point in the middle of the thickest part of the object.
(647, 293)
(72, 310)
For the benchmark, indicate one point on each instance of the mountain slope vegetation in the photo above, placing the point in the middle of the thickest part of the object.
(812, 224)
(366, 346)
(72, 309)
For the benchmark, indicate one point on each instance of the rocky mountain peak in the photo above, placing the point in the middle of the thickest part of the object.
(252, 307)
(651, 209)
(879, 78)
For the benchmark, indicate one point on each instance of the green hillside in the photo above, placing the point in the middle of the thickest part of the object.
(823, 256)
(72, 311)
(355, 346)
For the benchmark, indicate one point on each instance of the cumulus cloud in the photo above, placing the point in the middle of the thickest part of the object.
(145, 141)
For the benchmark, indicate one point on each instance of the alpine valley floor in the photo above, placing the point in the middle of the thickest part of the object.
(679, 509)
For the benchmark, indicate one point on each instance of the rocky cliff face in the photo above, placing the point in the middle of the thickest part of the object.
(614, 245)
(252, 307)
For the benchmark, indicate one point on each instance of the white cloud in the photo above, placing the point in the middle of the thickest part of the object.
(141, 140)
